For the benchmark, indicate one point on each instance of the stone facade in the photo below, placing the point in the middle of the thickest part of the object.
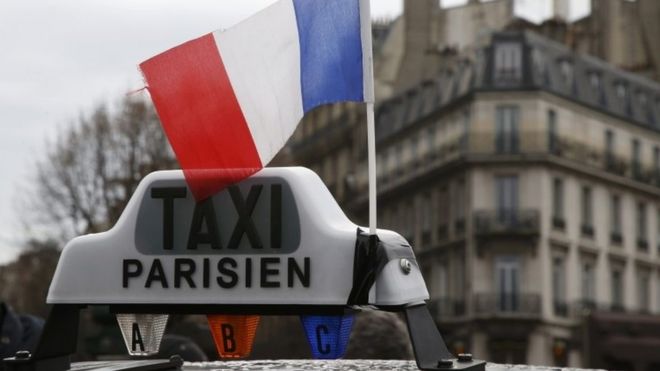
(525, 174)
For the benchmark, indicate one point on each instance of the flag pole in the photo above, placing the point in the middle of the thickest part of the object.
(368, 63)
(371, 153)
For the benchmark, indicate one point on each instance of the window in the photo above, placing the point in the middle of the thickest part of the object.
(623, 93)
(414, 149)
(459, 275)
(587, 212)
(438, 285)
(621, 90)
(646, 107)
(459, 205)
(566, 69)
(588, 285)
(443, 213)
(642, 242)
(507, 279)
(636, 158)
(611, 163)
(643, 291)
(507, 129)
(657, 232)
(558, 203)
(466, 130)
(508, 63)
(657, 292)
(615, 219)
(379, 164)
(617, 289)
(552, 131)
(385, 162)
(643, 99)
(596, 81)
(507, 198)
(609, 142)
(430, 140)
(398, 153)
(408, 211)
(559, 286)
(426, 218)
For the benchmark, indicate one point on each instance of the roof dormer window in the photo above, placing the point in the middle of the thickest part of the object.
(566, 69)
(621, 90)
(595, 79)
(508, 63)
(623, 93)
(643, 99)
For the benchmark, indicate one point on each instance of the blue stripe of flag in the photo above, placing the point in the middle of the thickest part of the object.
(330, 51)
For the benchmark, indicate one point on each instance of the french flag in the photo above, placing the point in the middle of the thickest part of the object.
(230, 100)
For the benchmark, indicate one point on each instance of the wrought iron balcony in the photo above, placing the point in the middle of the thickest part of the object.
(560, 308)
(443, 308)
(506, 222)
(642, 244)
(486, 146)
(584, 307)
(330, 135)
(587, 230)
(558, 222)
(508, 305)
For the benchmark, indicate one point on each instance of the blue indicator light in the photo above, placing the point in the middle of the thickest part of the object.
(328, 335)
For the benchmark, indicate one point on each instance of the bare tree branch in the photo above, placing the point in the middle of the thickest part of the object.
(90, 171)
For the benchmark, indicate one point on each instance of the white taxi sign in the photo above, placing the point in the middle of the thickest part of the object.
(276, 238)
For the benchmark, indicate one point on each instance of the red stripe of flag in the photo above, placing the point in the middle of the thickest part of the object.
(201, 116)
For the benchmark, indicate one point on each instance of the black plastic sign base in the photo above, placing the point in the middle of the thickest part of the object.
(59, 338)
(431, 352)
(173, 364)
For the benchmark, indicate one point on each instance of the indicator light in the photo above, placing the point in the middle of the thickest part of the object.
(142, 332)
(233, 334)
(328, 335)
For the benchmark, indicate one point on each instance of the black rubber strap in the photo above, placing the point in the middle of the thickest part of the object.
(371, 256)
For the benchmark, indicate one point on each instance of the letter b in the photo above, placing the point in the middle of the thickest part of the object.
(228, 340)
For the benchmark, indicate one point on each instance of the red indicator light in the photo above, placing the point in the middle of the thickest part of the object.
(233, 334)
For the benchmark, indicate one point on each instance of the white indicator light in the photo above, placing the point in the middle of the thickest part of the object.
(142, 332)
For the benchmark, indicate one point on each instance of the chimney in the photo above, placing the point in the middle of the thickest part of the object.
(418, 16)
(562, 9)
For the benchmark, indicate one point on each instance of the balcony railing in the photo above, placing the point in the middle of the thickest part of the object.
(442, 308)
(486, 145)
(587, 230)
(603, 159)
(506, 221)
(642, 244)
(558, 222)
(333, 131)
(560, 308)
(508, 305)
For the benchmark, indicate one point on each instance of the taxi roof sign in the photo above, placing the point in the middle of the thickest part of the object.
(275, 243)
(278, 237)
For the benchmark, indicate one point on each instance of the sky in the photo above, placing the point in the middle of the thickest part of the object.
(60, 58)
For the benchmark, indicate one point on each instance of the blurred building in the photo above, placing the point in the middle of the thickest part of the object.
(525, 173)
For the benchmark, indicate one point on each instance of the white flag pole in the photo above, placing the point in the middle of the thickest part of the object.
(371, 152)
(368, 70)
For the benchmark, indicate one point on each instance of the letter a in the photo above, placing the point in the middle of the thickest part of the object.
(137, 338)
